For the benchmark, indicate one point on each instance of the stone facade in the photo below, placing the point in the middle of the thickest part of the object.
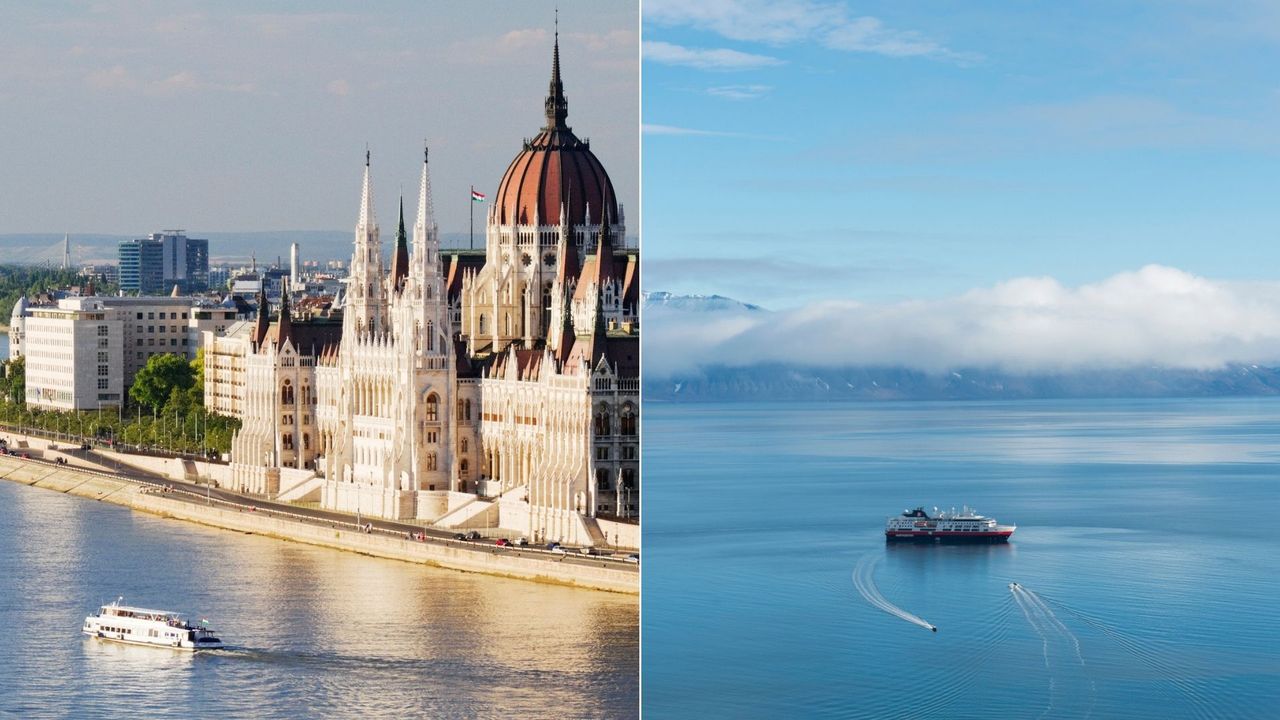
(461, 390)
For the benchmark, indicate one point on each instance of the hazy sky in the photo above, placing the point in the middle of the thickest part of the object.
(884, 152)
(132, 116)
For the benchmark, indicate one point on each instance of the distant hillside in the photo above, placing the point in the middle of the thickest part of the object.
(790, 383)
(695, 303)
(89, 248)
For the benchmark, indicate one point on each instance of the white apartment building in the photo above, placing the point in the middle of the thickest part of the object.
(84, 352)
(73, 355)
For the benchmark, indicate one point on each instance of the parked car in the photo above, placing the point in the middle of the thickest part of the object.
(503, 542)
(553, 545)
(523, 542)
(473, 535)
(459, 536)
(632, 558)
(586, 551)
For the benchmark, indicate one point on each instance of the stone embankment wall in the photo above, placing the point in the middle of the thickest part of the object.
(620, 534)
(461, 556)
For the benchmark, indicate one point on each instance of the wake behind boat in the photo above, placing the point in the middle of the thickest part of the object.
(143, 626)
(965, 526)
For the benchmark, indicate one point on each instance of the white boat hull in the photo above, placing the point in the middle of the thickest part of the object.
(181, 644)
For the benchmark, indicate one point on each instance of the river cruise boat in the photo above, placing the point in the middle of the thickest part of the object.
(964, 526)
(143, 626)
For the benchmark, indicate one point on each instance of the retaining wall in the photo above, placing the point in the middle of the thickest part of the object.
(459, 556)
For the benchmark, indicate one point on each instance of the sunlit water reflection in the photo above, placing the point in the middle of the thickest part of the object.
(312, 632)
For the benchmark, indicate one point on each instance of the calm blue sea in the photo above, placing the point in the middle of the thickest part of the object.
(315, 633)
(1146, 550)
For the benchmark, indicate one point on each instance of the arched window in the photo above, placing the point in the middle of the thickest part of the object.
(286, 393)
(628, 420)
(433, 408)
(286, 441)
(463, 467)
(459, 410)
(468, 414)
(602, 479)
(431, 336)
(602, 422)
(464, 446)
(306, 442)
(431, 461)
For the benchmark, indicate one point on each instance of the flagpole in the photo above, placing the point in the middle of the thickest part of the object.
(471, 203)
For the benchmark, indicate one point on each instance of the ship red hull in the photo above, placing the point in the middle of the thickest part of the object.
(947, 536)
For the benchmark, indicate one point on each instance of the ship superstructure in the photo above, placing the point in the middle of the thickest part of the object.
(144, 626)
(963, 526)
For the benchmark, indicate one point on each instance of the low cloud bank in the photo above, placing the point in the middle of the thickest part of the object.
(1155, 316)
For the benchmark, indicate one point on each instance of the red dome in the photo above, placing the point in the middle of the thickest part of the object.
(554, 168)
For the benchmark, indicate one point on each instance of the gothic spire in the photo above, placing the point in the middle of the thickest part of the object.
(366, 197)
(263, 321)
(557, 105)
(284, 330)
(400, 259)
(426, 212)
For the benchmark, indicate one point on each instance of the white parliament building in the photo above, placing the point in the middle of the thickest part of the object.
(495, 389)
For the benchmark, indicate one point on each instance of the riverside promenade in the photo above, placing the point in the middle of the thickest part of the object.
(379, 538)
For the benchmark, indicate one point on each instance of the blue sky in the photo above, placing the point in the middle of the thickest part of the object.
(128, 116)
(886, 151)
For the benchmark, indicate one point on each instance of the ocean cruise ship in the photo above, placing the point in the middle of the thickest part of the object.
(964, 526)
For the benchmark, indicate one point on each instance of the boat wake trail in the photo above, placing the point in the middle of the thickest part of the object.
(1069, 683)
(1154, 653)
(866, 586)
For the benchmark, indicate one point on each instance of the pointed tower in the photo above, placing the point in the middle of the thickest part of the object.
(426, 277)
(557, 105)
(365, 310)
(559, 324)
(285, 329)
(263, 322)
(400, 258)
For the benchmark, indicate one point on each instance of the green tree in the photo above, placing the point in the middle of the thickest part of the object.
(155, 383)
(197, 372)
(13, 386)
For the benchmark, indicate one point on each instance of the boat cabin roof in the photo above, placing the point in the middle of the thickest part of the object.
(138, 612)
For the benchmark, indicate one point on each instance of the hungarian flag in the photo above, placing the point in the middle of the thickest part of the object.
(476, 196)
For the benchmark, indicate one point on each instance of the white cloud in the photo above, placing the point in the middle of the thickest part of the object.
(651, 129)
(185, 80)
(781, 22)
(716, 59)
(1155, 316)
(116, 77)
(740, 92)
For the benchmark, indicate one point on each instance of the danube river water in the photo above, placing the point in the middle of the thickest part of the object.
(1146, 556)
(313, 632)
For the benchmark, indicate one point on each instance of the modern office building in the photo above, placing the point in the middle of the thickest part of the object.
(141, 266)
(153, 265)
